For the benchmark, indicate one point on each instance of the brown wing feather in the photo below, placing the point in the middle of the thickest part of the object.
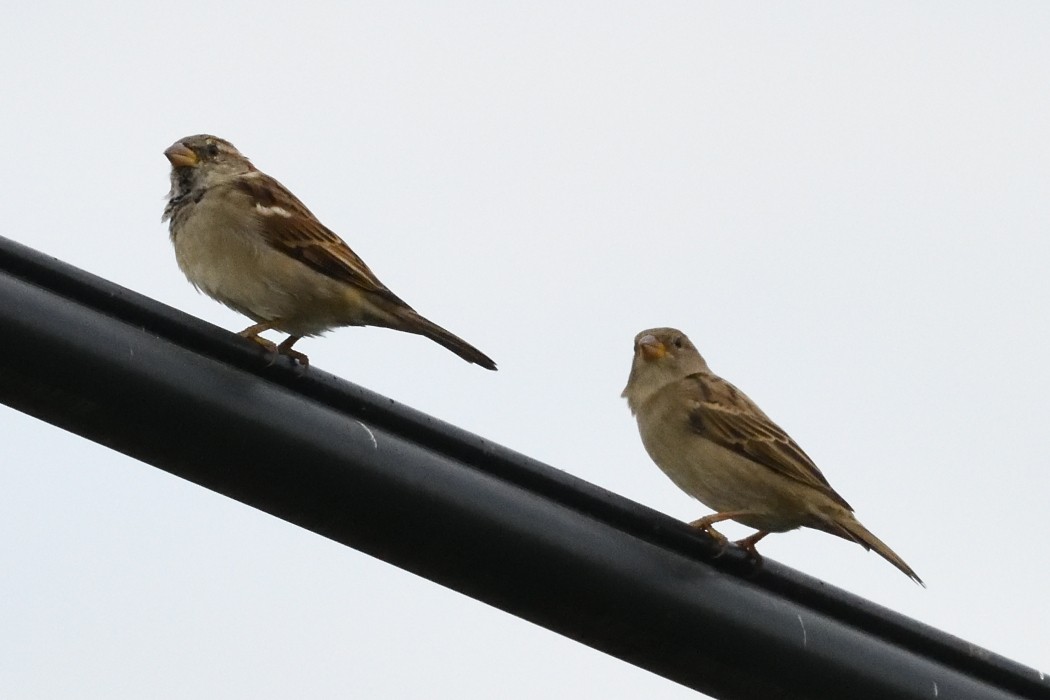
(306, 239)
(727, 417)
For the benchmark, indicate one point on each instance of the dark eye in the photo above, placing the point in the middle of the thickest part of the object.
(678, 343)
(212, 150)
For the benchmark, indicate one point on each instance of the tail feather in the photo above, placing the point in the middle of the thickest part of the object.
(851, 529)
(414, 323)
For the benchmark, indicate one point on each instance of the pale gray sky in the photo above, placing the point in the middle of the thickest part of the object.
(844, 205)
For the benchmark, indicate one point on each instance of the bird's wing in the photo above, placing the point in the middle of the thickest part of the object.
(289, 227)
(723, 414)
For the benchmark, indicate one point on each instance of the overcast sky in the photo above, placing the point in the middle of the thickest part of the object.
(845, 205)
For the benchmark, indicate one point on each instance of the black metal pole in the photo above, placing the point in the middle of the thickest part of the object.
(172, 391)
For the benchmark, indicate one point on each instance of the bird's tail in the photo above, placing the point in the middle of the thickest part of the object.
(849, 528)
(414, 323)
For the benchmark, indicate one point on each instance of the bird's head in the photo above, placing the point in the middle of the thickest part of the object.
(200, 161)
(661, 356)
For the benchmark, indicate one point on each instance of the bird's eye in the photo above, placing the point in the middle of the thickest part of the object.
(212, 150)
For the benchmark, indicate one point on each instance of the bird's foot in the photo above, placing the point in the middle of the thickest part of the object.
(704, 525)
(748, 545)
(268, 344)
(252, 333)
(285, 348)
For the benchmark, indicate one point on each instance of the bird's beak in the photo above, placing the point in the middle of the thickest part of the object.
(180, 156)
(651, 348)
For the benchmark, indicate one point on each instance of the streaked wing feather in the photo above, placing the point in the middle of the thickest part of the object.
(724, 415)
(306, 239)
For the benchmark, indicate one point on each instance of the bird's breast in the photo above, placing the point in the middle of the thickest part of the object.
(720, 478)
(222, 253)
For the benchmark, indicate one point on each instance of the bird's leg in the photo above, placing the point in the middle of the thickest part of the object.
(252, 333)
(285, 348)
(704, 524)
(748, 545)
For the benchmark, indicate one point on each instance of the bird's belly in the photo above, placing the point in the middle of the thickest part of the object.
(728, 482)
(252, 278)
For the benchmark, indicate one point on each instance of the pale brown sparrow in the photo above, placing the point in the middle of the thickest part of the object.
(720, 448)
(246, 241)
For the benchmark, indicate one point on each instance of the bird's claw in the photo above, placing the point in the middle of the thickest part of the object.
(704, 525)
(285, 348)
(748, 545)
(274, 349)
(268, 345)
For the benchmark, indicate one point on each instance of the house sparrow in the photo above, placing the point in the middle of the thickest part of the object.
(246, 241)
(719, 447)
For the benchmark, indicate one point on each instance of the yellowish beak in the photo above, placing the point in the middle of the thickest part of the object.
(652, 349)
(180, 156)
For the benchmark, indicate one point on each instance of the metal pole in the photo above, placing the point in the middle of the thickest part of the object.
(172, 391)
